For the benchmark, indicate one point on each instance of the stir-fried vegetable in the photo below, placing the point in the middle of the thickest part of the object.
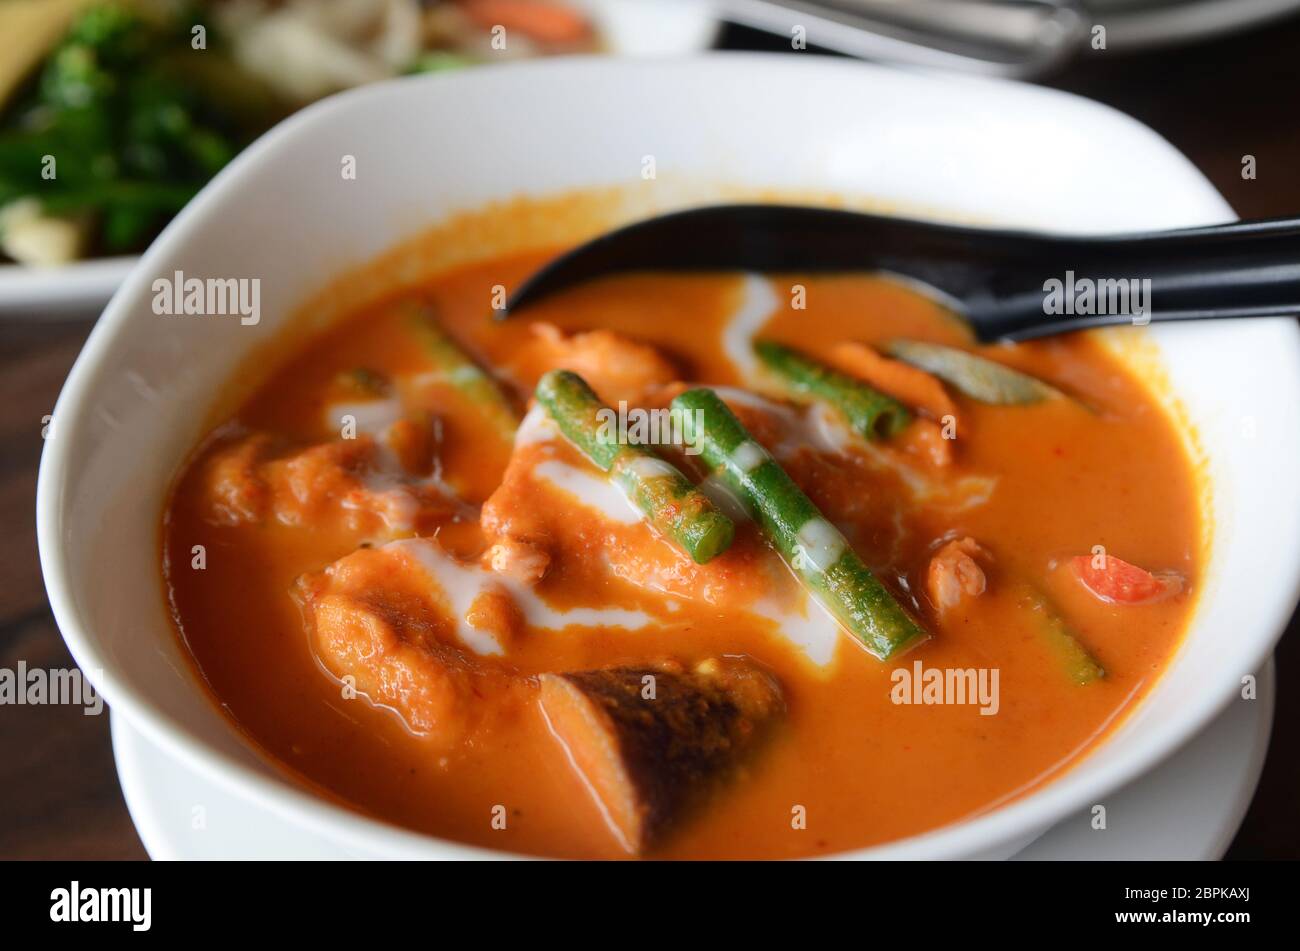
(978, 378)
(673, 505)
(820, 556)
(124, 123)
(463, 373)
(108, 132)
(870, 413)
(1079, 665)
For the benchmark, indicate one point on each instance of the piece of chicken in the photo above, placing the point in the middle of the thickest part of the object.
(374, 617)
(362, 481)
(614, 366)
(954, 573)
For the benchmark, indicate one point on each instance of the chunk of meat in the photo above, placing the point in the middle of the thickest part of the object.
(650, 741)
(253, 481)
(903, 382)
(233, 481)
(370, 620)
(514, 525)
(616, 368)
(1115, 581)
(954, 573)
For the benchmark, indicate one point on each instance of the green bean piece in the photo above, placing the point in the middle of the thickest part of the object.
(673, 505)
(463, 373)
(870, 413)
(819, 555)
(1079, 665)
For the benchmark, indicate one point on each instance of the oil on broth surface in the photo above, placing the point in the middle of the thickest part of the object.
(863, 769)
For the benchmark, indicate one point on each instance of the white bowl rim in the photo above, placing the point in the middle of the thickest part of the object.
(281, 795)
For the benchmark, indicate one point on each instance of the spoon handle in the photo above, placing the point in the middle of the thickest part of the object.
(1243, 269)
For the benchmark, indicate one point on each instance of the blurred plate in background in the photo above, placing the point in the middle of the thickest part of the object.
(625, 28)
(69, 290)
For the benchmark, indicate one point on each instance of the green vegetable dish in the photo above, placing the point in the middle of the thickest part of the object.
(119, 128)
(114, 113)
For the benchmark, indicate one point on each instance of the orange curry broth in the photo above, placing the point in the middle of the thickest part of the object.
(865, 769)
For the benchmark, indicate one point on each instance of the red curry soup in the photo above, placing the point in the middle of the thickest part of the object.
(682, 566)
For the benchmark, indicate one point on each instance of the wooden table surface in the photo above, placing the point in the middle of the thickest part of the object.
(59, 795)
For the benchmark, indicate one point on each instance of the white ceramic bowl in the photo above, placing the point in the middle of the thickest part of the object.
(137, 399)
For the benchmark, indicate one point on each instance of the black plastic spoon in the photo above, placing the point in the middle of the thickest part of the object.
(1012, 285)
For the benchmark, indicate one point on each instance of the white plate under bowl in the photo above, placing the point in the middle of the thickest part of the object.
(1186, 809)
(627, 27)
(135, 403)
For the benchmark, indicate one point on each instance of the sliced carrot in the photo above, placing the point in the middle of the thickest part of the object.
(544, 22)
(1119, 582)
(904, 383)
